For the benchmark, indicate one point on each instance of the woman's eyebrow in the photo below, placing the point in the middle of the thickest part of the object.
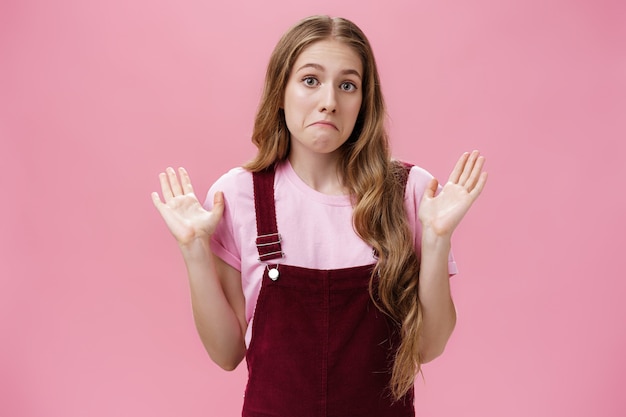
(321, 68)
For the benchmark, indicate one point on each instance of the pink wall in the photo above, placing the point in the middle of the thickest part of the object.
(97, 97)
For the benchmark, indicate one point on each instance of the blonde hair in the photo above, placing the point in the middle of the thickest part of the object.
(374, 180)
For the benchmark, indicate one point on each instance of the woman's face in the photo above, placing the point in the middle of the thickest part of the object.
(323, 97)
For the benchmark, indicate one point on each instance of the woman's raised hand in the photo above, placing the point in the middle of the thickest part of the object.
(443, 213)
(181, 210)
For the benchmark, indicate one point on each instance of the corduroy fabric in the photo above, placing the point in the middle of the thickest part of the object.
(320, 347)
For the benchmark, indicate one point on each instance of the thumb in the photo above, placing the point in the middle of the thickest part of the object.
(218, 204)
(431, 188)
(156, 200)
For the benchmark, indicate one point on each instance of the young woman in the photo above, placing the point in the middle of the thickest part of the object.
(323, 261)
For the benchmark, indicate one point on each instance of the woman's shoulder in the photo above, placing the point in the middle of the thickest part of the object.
(234, 179)
(417, 174)
(416, 183)
(236, 184)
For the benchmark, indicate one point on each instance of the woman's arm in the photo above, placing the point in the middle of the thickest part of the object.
(440, 215)
(438, 312)
(218, 304)
(216, 295)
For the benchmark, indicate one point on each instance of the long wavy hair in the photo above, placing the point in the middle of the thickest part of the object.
(373, 179)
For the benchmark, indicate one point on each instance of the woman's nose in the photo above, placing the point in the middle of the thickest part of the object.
(328, 99)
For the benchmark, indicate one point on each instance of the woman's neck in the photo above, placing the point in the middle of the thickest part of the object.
(320, 173)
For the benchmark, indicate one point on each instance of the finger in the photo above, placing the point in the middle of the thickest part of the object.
(469, 166)
(482, 180)
(174, 183)
(185, 181)
(156, 200)
(218, 204)
(458, 168)
(431, 188)
(475, 174)
(166, 189)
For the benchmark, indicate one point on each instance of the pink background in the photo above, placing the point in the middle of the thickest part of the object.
(97, 97)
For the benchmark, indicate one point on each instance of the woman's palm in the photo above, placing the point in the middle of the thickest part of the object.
(183, 214)
(443, 212)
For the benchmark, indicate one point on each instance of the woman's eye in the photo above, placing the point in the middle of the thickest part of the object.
(348, 86)
(310, 81)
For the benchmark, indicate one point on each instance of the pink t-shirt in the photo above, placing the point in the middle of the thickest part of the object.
(316, 229)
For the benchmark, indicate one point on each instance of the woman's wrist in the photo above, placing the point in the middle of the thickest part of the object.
(196, 248)
(431, 239)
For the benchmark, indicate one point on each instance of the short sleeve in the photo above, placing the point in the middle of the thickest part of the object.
(416, 185)
(224, 242)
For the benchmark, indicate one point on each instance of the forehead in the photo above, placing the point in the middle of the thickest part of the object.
(330, 54)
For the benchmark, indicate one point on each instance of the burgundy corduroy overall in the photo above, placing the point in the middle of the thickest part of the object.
(319, 348)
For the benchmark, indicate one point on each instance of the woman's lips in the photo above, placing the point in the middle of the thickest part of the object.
(324, 123)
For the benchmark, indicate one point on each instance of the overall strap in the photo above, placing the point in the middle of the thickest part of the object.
(268, 239)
